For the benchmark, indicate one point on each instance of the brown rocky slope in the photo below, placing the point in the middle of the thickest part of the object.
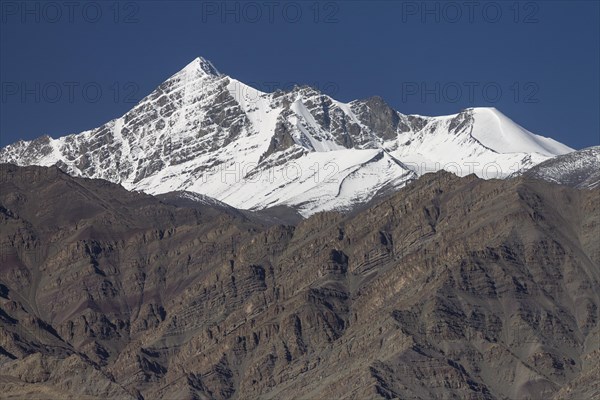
(451, 288)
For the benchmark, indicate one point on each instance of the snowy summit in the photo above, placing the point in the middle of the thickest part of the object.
(204, 132)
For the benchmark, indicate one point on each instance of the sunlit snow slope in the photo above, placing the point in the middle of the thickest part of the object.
(205, 132)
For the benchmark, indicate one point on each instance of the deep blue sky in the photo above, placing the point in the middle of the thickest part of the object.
(544, 56)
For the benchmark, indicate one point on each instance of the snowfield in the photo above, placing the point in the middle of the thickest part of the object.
(204, 132)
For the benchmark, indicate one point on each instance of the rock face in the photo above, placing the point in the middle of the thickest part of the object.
(204, 132)
(579, 169)
(451, 288)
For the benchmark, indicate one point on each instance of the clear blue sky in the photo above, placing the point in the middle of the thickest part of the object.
(538, 61)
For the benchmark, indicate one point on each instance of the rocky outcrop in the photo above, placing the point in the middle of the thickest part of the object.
(579, 169)
(450, 288)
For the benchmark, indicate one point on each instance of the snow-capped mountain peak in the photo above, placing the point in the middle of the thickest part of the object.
(205, 132)
(501, 134)
(201, 65)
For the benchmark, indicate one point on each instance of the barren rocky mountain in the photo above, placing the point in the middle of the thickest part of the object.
(450, 288)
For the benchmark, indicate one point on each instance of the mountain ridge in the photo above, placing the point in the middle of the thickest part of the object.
(451, 287)
(208, 133)
(579, 169)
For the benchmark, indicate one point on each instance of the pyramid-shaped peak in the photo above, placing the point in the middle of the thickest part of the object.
(200, 64)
